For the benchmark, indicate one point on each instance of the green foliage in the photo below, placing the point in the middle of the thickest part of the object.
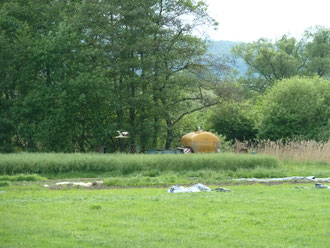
(269, 61)
(121, 164)
(295, 108)
(318, 51)
(78, 71)
(234, 122)
(4, 184)
(72, 73)
(6, 131)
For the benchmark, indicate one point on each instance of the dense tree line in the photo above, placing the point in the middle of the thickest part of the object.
(73, 72)
(287, 57)
(286, 90)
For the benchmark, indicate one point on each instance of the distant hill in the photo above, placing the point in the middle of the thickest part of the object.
(224, 47)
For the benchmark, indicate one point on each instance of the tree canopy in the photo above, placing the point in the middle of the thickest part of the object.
(269, 61)
(296, 108)
(74, 72)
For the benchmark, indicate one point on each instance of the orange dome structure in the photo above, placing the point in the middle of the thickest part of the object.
(201, 142)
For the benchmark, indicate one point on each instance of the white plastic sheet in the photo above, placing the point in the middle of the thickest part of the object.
(82, 184)
(284, 179)
(321, 186)
(195, 188)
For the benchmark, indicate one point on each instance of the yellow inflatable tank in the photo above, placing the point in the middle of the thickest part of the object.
(201, 141)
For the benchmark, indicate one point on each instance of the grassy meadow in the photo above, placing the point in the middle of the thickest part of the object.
(153, 170)
(247, 216)
(133, 209)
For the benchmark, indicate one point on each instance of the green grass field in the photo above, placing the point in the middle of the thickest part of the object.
(32, 215)
(248, 216)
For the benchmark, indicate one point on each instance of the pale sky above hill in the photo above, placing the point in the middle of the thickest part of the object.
(249, 20)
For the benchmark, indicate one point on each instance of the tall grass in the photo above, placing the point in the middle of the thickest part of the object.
(124, 164)
(301, 151)
(21, 178)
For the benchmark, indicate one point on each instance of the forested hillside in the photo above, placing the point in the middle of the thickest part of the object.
(224, 47)
(73, 73)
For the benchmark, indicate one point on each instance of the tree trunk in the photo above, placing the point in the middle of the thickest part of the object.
(169, 134)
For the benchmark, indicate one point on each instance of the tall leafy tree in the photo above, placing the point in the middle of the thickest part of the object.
(317, 51)
(270, 61)
(75, 72)
(295, 108)
(20, 29)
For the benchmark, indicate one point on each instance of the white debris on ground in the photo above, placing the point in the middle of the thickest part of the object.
(195, 188)
(75, 184)
(221, 190)
(284, 179)
(200, 187)
(89, 184)
(316, 186)
(321, 186)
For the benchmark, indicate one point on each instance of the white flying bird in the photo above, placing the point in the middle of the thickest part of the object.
(122, 135)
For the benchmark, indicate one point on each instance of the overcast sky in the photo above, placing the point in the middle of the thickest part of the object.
(249, 20)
